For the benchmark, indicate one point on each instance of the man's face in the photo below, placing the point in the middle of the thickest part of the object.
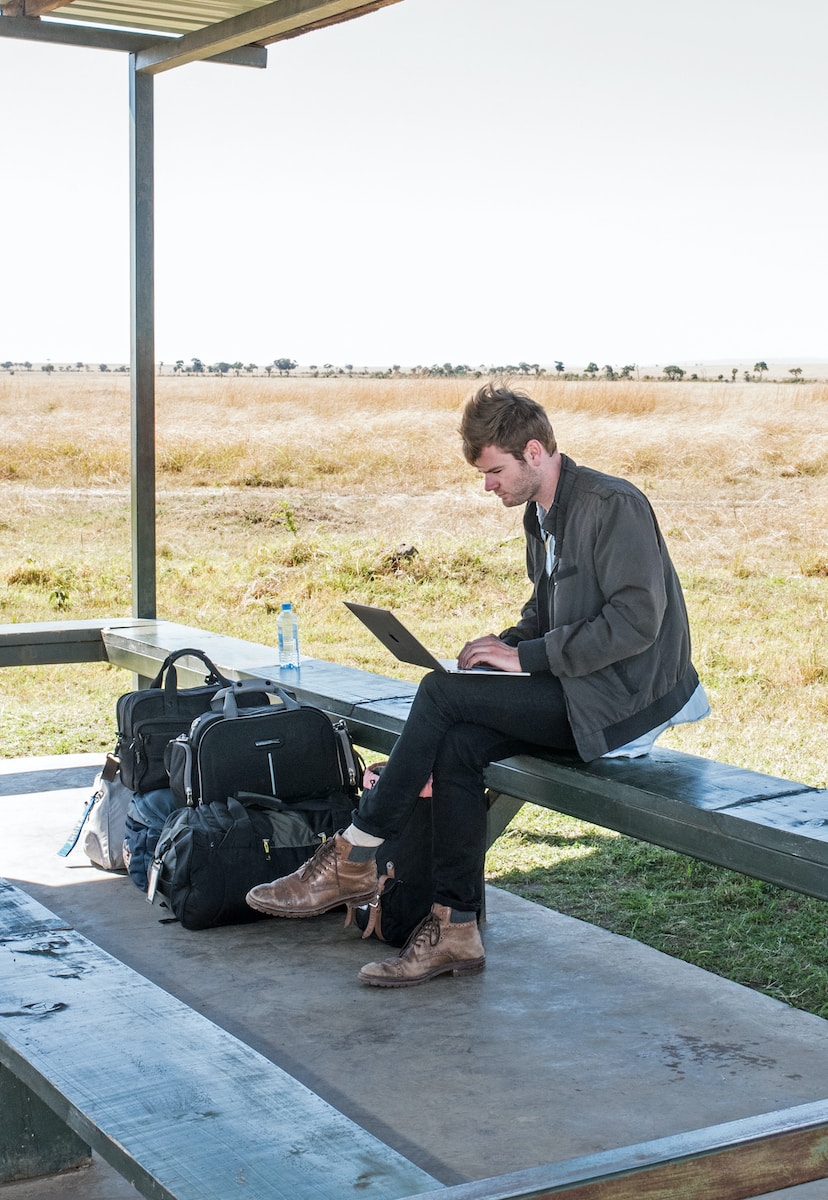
(514, 481)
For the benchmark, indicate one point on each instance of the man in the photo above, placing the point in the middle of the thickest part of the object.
(605, 640)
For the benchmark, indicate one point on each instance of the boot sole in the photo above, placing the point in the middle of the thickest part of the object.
(310, 912)
(469, 968)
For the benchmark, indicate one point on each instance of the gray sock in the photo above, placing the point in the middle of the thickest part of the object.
(361, 854)
(461, 918)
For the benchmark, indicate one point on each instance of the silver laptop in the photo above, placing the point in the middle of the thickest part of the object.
(408, 649)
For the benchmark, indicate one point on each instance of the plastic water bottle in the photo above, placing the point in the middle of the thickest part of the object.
(288, 630)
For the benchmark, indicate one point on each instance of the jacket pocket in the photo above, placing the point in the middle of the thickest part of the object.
(624, 678)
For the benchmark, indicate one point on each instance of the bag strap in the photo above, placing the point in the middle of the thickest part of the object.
(226, 703)
(72, 840)
(107, 774)
(259, 800)
(374, 922)
(214, 675)
(349, 760)
(316, 804)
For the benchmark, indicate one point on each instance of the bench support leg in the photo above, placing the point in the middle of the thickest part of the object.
(502, 809)
(33, 1140)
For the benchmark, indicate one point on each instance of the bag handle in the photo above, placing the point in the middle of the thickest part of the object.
(259, 800)
(321, 804)
(226, 703)
(214, 675)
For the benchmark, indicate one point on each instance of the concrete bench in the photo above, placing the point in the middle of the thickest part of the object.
(93, 1055)
(772, 829)
(26, 645)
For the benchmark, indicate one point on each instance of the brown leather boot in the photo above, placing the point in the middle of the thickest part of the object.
(435, 947)
(328, 879)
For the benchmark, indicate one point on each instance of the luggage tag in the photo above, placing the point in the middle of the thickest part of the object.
(153, 875)
(110, 768)
(152, 879)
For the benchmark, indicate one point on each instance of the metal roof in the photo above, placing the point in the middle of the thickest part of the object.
(178, 17)
(170, 33)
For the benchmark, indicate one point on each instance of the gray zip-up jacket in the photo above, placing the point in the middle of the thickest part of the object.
(610, 622)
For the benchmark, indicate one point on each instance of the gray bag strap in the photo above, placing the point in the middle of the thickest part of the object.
(349, 762)
(225, 701)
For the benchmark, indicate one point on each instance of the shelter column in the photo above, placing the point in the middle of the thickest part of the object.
(142, 341)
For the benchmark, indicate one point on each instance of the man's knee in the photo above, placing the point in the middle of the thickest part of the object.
(432, 685)
(433, 701)
(465, 746)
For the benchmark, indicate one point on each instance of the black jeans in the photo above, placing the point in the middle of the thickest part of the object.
(457, 725)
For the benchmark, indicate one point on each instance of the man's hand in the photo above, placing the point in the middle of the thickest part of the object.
(489, 651)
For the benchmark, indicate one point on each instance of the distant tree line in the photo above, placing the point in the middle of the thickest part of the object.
(48, 367)
(285, 367)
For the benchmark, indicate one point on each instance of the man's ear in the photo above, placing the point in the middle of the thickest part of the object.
(533, 452)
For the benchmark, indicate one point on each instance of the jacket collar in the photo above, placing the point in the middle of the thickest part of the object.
(555, 520)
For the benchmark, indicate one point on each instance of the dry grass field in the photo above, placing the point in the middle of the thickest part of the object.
(304, 489)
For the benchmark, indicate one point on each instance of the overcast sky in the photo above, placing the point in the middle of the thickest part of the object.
(475, 181)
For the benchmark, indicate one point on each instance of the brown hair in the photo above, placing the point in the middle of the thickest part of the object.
(496, 416)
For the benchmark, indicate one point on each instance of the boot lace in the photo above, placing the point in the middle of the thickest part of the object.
(317, 865)
(427, 931)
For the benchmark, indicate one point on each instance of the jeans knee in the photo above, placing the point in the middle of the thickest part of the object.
(431, 702)
(463, 747)
(430, 687)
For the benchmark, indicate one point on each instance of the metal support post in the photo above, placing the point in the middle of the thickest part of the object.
(142, 341)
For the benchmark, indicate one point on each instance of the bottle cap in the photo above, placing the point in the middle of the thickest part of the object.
(286, 606)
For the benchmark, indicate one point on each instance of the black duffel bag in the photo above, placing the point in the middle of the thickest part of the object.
(151, 717)
(209, 857)
(245, 743)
